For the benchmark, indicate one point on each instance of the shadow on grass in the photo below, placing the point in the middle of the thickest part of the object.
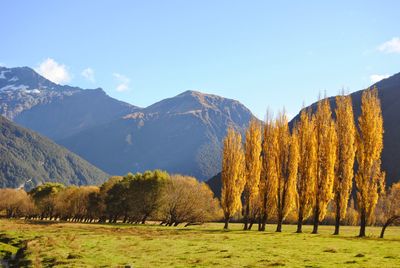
(42, 222)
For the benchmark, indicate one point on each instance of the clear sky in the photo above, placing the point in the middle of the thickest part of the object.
(262, 53)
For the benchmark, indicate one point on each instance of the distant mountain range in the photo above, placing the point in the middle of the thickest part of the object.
(28, 159)
(182, 134)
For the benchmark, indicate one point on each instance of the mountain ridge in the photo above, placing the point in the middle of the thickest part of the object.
(181, 134)
(53, 110)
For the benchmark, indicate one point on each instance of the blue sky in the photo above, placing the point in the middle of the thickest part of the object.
(263, 53)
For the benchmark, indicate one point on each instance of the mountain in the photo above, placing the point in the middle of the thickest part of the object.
(389, 94)
(54, 110)
(27, 157)
(182, 134)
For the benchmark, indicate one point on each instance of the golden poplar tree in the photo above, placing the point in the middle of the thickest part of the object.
(306, 175)
(369, 178)
(326, 158)
(285, 161)
(252, 170)
(268, 181)
(345, 153)
(232, 174)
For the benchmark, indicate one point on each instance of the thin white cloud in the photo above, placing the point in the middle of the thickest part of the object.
(123, 82)
(378, 77)
(88, 73)
(55, 72)
(391, 46)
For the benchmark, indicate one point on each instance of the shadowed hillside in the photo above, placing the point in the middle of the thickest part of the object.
(25, 156)
(389, 94)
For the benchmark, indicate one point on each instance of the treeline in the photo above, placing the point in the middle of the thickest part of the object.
(134, 198)
(305, 169)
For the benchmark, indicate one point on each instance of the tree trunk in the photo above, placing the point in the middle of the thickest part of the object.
(316, 220)
(251, 224)
(246, 216)
(263, 216)
(383, 230)
(279, 226)
(226, 221)
(337, 218)
(363, 222)
(387, 223)
(300, 222)
(263, 222)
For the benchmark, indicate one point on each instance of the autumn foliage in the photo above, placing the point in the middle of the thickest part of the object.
(134, 198)
(369, 177)
(346, 148)
(233, 175)
(306, 172)
(307, 168)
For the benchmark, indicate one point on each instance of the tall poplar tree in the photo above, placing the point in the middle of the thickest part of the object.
(346, 148)
(268, 181)
(306, 175)
(369, 178)
(232, 174)
(326, 158)
(252, 169)
(285, 162)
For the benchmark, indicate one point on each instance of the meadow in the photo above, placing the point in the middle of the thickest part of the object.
(52, 244)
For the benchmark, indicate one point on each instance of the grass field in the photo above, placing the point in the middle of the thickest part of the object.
(94, 245)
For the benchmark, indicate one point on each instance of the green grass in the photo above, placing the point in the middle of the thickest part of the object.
(94, 245)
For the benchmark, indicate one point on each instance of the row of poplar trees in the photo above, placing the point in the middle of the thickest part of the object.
(305, 168)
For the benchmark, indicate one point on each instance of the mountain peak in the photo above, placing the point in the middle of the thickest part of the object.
(27, 80)
(191, 93)
(191, 101)
(72, 108)
(198, 94)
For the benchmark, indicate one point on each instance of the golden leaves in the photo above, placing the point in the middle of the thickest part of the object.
(369, 177)
(232, 173)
